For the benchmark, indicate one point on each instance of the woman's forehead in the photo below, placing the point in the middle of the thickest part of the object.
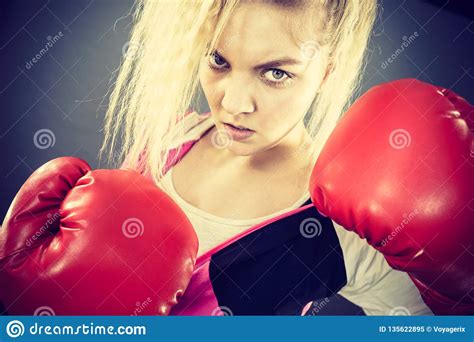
(258, 32)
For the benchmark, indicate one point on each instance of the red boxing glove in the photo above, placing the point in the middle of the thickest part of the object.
(397, 170)
(103, 242)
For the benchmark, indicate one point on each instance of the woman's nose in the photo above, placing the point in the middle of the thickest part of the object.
(238, 97)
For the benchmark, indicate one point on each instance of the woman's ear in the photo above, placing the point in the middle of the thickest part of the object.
(329, 69)
(326, 74)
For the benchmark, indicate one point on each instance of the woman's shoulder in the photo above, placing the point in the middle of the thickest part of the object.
(194, 125)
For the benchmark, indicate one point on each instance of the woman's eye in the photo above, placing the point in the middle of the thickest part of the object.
(282, 78)
(277, 74)
(216, 60)
(275, 77)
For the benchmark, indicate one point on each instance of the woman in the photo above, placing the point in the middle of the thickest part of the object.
(277, 75)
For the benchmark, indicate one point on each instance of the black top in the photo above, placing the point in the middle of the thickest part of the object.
(280, 267)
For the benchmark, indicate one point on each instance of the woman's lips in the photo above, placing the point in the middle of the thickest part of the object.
(238, 126)
(237, 133)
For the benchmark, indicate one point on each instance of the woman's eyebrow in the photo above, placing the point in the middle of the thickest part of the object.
(271, 64)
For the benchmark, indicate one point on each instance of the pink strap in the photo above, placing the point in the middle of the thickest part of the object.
(171, 161)
(174, 156)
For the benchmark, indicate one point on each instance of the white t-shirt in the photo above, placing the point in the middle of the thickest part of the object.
(371, 283)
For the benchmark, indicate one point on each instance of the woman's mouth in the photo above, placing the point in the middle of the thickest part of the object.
(237, 133)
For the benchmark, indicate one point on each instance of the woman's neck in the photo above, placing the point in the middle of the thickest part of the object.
(294, 150)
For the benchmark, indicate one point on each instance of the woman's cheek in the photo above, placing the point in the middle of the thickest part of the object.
(209, 87)
(207, 79)
(273, 124)
(281, 109)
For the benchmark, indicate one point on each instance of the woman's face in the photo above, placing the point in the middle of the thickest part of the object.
(244, 85)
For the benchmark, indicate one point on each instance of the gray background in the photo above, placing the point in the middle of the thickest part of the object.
(64, 92)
